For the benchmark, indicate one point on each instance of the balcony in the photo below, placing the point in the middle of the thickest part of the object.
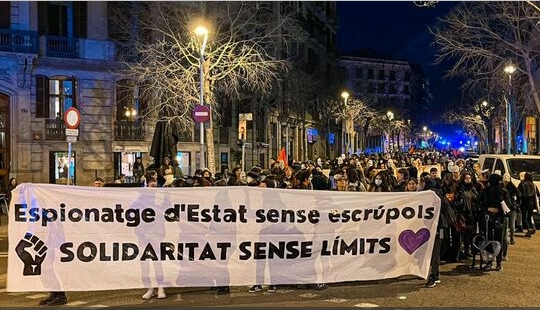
(55, 129)
(19, 41)
(63, 47)
(128, 131)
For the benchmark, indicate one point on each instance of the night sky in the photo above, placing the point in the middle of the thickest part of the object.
(398, 29)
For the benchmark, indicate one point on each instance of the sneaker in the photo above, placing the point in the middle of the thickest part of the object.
(57, 301)
(45, 301)
(255, 289)
(149, 294)
(222, 290)
(272, 289)
(431, 282)
(505, 258)
(437, 280)
(161, 293)
(498, 268)
(487, 266)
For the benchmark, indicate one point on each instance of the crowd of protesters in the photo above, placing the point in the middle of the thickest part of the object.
(471, 199)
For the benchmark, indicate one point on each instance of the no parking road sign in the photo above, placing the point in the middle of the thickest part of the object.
(201, 113)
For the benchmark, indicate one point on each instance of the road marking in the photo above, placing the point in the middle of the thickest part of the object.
(16, 294)
(76, 303)
(337, 300)
(308, 295)
(3, 254)
(366, 305)
(97, 306)
(37, 296)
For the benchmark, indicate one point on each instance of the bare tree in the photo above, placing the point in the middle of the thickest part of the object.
(328, 112)
(355, 113)
(244, 44)
(482, 37)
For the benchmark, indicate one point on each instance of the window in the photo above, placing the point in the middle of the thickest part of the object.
(331, 138)
(406, 89)
(127, 103)
(381, 74)
(312, 135)
(62, 18)
(226, 114)
(5, 14)
(370, 74)
(358, 73)
(61, 169)
(499, 166)
(55, 95)
(381, 89)
(488, 163)
(517, 165)
(371, 88)
(393, 89)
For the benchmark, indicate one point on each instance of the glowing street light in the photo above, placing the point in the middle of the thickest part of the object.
(202, 31)
(390, 116)
(509, 69)
(345, 95)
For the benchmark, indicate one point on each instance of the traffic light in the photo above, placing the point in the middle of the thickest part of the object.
(242, 130)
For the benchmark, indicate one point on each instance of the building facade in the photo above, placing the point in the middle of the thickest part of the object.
(387, 86)
(59, 55)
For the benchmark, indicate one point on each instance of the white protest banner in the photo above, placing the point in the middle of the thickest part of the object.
(69, 238)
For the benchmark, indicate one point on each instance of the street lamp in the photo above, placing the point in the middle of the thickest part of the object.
(424, 129)
(345, 95)
(509, 69)
(390, 117)
(131, 113)
(202, 31)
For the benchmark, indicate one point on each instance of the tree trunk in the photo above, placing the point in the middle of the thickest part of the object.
(211, 158)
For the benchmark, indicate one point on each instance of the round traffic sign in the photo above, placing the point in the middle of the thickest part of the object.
(72, 118)
(201, 113)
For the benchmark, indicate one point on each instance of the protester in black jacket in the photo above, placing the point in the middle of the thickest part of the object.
(491, 198)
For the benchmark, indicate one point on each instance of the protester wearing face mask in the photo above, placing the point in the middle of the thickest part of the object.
(380, 183)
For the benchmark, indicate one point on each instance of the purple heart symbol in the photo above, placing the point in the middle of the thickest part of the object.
(411, 241)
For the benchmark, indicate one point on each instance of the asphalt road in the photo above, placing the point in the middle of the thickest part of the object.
(517, 285)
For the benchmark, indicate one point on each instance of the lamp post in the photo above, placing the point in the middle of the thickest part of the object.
(424, 129)
(509, 69)
(390, 117)
(202, 31)
(345, 95)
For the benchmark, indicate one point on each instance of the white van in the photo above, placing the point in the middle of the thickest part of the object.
(513, 164)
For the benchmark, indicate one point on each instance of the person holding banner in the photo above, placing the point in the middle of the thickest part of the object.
(442, 225)
(144, 237)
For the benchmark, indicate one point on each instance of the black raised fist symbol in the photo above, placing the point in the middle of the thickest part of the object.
(32, 251)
